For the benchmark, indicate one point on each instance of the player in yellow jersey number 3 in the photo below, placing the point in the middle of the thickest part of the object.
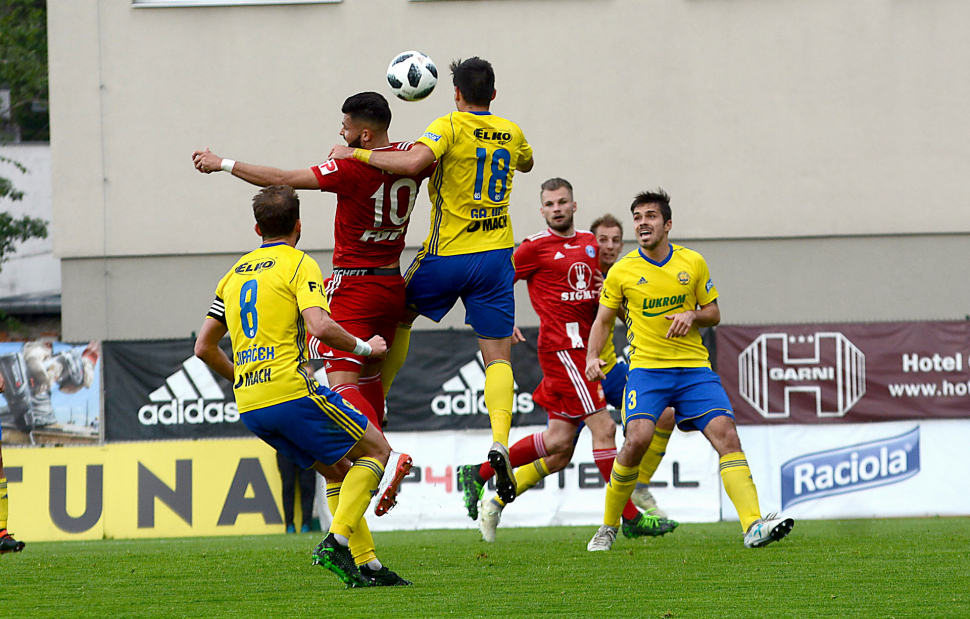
(267, 303)
(667, 292)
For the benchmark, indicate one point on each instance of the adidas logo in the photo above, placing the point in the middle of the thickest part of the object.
(641, 282)
(190, 395)
(465, 393)
(559, 255)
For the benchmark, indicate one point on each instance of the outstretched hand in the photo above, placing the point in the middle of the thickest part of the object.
(206, 161)
(341, 151)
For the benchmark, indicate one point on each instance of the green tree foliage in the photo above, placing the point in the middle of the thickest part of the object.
(23, 65)
(23, 68)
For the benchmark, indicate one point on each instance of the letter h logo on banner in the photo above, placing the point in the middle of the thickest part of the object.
(826, 367)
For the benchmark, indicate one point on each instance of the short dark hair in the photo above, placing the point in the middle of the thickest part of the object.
(658, 197)
(556, 183)
(370, 108)
(475, 80)
(277, 209)
(606, 221)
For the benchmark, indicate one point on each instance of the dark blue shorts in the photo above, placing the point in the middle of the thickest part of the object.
(317, 428)
(695, 393)
(483, 281)
(614, 383)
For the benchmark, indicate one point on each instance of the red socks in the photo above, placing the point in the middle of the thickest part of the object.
(370, 387)
(527, 450)
(604, 462)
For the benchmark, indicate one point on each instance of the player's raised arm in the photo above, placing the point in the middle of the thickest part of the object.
(597, 339)
(321, 326)
(405, 162)
(207, 162)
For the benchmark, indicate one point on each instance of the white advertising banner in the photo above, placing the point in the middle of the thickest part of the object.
(430, 498)
(866, 470)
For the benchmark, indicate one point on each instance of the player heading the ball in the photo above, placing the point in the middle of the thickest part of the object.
(468, 252)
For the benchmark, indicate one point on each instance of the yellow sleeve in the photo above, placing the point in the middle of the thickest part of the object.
(439, 136)
(704, 290)
(525, 151)
(612, 294)
(308, 285)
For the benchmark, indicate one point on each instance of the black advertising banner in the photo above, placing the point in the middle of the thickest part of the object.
(161, 390)
(846, 373)
(442, 384)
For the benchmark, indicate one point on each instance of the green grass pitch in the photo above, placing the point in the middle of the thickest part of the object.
(857, 568)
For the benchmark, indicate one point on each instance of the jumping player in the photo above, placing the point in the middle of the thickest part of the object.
(560, 266)
(366, 291)
(267, 303)
(609, 236)
(468, 252)
(667, 292)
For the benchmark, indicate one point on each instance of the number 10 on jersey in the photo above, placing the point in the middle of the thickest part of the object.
(499, 178)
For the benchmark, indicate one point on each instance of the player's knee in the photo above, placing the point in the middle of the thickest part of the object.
(557, 462)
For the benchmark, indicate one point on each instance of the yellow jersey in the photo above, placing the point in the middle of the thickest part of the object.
(260, 301)
(477, 153)
(651, 291)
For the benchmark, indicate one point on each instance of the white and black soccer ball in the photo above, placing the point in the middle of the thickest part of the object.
(412, 76)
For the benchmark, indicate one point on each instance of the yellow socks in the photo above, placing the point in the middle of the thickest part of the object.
(358, 487)
(655, 453)
(361, 542)
(527, 476)
(623, 480)
(499, 393)
(3, 503)
(739, 486)
(396, 355)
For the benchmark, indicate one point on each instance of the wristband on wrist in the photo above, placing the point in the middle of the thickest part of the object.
(363, 348)
(227, 165)
(361, 154)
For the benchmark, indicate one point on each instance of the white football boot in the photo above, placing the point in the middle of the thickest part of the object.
(643, 499)
(490, 515)
(765, 530)
(603, 539)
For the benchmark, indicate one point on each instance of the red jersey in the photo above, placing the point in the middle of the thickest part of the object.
(560, 272)
(373, 209)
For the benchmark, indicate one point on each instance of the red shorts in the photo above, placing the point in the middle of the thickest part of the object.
(364, 305)
(564, 391)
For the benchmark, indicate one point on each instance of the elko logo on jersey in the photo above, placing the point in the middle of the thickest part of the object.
(580, 278)
(255, 266)
(779, 370)
(190, 395)
(850, 469)
(490, 135)
(465, 393)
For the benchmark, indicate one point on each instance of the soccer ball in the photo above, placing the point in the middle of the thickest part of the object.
(412, 76)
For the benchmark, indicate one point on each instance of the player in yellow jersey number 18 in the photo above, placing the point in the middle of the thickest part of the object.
(468, 252)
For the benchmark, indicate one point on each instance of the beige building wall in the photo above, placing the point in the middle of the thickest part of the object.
(808, 141)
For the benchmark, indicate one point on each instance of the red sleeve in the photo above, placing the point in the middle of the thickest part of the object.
(525, 260)
(329, 174)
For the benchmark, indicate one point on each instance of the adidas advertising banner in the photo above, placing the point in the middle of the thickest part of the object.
(870, 470)
(846, 373)
(161, 390)
(442, 383)
(170, 489)
(686, 484)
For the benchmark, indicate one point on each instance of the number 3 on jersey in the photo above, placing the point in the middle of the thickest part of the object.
(499, 179)
(247, 308)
